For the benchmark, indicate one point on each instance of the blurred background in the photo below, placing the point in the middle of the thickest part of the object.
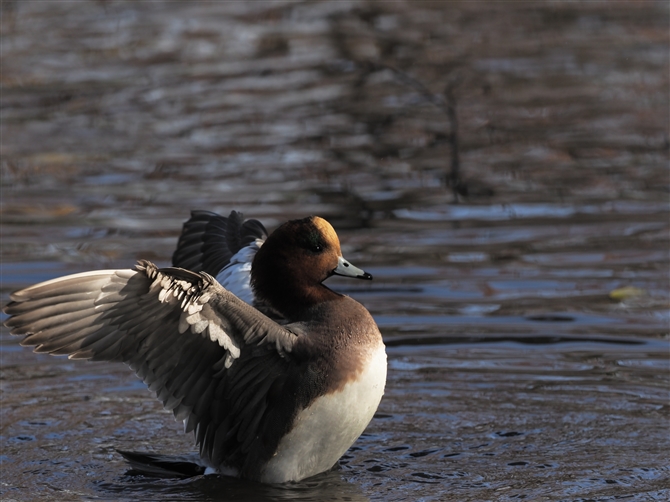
(501, 168)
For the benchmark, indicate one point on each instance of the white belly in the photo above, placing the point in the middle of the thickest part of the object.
(329, 426)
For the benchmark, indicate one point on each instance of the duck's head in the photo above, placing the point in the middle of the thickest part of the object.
(290, 266)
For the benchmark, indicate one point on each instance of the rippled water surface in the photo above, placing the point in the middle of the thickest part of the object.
(524, 308)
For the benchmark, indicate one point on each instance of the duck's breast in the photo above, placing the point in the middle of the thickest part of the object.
(324, 430)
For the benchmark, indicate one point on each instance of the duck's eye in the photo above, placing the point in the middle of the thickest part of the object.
(312, 242)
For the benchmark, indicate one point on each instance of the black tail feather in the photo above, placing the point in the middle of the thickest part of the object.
(163, 466)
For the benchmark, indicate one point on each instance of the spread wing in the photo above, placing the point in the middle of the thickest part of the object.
(208, 241)
(224, 248)
(212, 359)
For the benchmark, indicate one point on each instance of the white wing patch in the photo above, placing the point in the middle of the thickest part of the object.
(196, 315)
(236, 276)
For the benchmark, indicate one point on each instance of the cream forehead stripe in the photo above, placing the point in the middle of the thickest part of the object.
(326, 230)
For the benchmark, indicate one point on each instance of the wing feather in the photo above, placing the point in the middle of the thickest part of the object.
(208, 356)
(208, 240)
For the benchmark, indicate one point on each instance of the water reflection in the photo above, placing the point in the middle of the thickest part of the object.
(327, 487)
(515, 370)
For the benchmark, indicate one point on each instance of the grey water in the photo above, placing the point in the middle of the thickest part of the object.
(526, 318)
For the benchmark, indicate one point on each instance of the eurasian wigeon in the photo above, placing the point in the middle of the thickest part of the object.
(275, 373)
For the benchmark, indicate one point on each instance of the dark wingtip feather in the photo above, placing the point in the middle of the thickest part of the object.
(208, 240)
(163, 466)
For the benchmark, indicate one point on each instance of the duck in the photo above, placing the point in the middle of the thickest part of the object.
(274, 373)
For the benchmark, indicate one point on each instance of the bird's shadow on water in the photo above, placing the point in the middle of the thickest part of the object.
(328, 486)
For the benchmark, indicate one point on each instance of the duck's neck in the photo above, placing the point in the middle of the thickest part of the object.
(287, 297)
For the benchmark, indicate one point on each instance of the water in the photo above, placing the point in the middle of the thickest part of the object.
(527, 326)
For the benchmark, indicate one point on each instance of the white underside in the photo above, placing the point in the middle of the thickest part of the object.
(236, 276)
(329, 426)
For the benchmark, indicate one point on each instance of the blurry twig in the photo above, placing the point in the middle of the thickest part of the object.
(453, 179)
(447, 104)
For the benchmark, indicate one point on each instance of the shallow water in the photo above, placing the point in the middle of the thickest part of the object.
(561, 418)
(527, 326)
